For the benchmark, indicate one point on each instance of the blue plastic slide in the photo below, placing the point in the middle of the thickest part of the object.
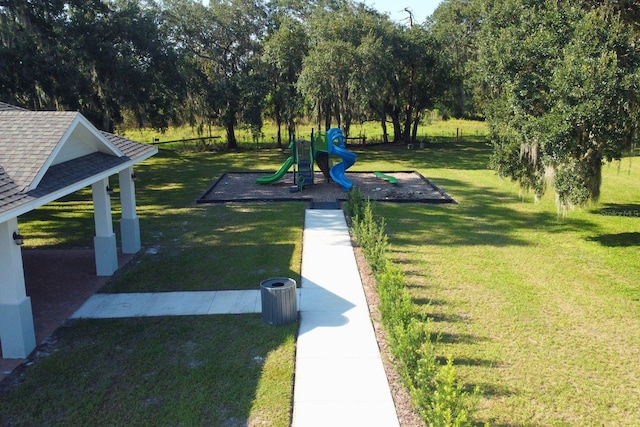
(337, 172)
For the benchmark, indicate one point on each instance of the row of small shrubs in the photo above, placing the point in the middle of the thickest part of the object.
(435, 391)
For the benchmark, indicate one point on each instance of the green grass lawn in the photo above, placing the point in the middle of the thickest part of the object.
(194, 370)
(542, 312)
(432, 128)
(252, 242)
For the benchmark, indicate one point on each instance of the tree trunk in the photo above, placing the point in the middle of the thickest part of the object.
(410, 107)
(397, 128)
(279, 137)
(327, 115)
(406, 131)
(383, 124)
(232, 143)
(382, 116)
(278, 117)
(337, 114)
(291, 127)
(594, 178)
(385, 133)
(414, 131)
(347, 119)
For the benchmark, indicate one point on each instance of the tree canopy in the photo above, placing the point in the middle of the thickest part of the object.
(557, 82)
(229, 63)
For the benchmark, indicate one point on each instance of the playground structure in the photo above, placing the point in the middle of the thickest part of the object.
(318, 150)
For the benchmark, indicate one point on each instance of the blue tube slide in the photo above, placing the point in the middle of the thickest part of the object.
(337, 171)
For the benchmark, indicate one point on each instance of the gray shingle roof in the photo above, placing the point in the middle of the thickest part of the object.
(27, 140)
(8, 107)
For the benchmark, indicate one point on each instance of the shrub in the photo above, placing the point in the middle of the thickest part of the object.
(434, 389)
(448, 406)
(371, 236)
(395, 301)
(355, 203)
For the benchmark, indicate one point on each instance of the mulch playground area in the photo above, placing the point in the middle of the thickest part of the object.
(410, 187)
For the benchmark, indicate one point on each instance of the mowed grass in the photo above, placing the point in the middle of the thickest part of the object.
(539, 310)
(192, 370)
(218, 247)
(186, 246)
(432, 128)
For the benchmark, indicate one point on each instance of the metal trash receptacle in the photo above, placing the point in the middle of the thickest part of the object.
(279, 301)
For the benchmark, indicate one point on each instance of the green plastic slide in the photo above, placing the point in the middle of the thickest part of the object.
(391, 179)
(278, 175)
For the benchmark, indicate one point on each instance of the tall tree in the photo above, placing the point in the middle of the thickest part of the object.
(340, 75)
(223, 41)
(284, 48)
(560, 83)
(418, 80)
(93, 56)
(125, 63)
(377, 69)
(455, 25)
(33, 64)
(421, 80)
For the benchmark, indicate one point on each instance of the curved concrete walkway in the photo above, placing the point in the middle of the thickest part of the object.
(339, 375)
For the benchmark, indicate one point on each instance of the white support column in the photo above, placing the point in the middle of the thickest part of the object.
(17, 332)
(104, 242)
(129, 223)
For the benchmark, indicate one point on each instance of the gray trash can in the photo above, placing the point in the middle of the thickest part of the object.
(279, 303)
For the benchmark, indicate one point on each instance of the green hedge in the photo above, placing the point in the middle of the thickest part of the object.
(436, 392)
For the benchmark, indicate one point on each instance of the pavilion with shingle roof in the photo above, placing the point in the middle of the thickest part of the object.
(46, 155)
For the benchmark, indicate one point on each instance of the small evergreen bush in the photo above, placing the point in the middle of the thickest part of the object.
(448, 406)
(434, 389)
(355, 203)
(370, 235)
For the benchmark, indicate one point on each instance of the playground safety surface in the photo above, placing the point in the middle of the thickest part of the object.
(411, 187)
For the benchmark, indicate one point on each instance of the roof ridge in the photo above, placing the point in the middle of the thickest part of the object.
(4, 107)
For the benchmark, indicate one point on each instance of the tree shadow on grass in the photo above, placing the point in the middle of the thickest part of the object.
(617, 240)
(445, 318)
(629, 212)
(484, 217)
(429, 302)
(493, 423)
(621, 210)
(463, 361)
(464, 155)
(451, 338)
(151, 371)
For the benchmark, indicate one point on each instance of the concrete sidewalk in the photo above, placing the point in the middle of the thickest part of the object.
(339, 374)
(105, 306)
(340, 379)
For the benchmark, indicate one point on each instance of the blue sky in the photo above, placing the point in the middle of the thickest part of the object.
(421, 8)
